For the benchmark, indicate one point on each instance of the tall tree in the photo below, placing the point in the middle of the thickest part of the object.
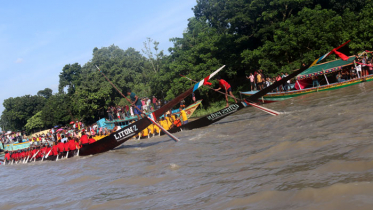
(70, 78)
(46, 93)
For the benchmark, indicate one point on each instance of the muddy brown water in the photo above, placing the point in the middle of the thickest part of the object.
(318, 155)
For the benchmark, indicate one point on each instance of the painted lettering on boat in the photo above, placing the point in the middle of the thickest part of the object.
(222, 113)
(128, 132)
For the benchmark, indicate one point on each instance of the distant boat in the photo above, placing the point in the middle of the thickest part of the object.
(304, 79)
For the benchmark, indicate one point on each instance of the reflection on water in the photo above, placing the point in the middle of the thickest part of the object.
(319, 155)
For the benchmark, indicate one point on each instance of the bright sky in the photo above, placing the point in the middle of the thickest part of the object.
(37, 38)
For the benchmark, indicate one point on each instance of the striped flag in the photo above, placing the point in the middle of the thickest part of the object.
(205, 80)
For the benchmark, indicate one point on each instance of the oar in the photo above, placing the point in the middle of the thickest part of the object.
(48, 153)
(77, 154)
(35, 155)
(160, 127)
(28, 157)
(67, 154)
(269, 111)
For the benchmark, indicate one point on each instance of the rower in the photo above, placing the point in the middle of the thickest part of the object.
(7, 156)
(66, 144)
(227, 87)
(61, 147)
(54, 150)
(169, 121)
(183, 116)
(73, 144)
(177, 122)
(91, 140)
(164, 123)
(84, 139)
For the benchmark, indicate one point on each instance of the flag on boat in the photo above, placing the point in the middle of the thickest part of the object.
(205, 80)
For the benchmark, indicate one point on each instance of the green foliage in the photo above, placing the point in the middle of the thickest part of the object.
(18, 110)
(35, 122)
(57, 110)
(70, 78)
(46, 93)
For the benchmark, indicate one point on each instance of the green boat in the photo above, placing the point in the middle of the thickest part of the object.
(325, 72)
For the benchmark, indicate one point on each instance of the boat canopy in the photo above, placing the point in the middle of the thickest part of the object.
(325, 68)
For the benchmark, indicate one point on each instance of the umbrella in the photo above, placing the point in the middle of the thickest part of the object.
(56, 126)
(60, 129)
(72, 122)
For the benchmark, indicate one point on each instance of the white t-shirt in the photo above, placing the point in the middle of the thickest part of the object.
(358, 68)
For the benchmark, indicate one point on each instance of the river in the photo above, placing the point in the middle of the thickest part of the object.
(318, 155)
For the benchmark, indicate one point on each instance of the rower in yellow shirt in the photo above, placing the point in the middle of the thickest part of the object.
(183, 116)
(164, 123)
(145, 132)
(156, 129)
(169, 121)
(151, 129)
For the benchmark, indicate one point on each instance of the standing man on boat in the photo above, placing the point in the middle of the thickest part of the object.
(135, 103)
(183, 116)
(227, 87)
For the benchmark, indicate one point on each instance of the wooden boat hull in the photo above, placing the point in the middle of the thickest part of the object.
(115, 139)
(275, 97)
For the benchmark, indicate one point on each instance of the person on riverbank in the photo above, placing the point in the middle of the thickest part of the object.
(154, 101)
(251, 78)
(135, 103)
(227, 88)
(109, 112)
(259, 83)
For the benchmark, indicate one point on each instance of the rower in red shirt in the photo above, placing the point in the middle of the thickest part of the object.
(73, 144)
(7, 156)
(15, 156)
(43, 151)
(40, 154)
(66, 145)
(227, 89)
(91, 140)
(84, 139)
(47, 150)
(54, 150)
(22, 154)
(33, 152)
(61, 147)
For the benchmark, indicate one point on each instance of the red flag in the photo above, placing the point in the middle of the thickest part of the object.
(206, 81)
(341, 55)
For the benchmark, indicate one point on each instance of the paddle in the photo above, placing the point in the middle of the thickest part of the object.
(269, 111)
(35, 155)
(160, 127)
(48, 153)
